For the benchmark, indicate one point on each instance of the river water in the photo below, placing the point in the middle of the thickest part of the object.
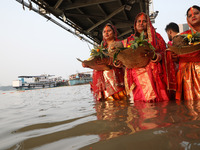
(68, 118)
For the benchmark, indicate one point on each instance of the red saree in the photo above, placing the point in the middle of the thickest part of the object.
(147, 83)
(109, 84)
(188, 76)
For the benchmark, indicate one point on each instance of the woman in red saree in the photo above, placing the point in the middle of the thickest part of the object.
(188, 76)
(108, 84)
(146, 84)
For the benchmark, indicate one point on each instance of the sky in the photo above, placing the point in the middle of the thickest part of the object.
(31, 45)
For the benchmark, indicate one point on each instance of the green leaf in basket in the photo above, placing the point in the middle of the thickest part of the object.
(115, 56)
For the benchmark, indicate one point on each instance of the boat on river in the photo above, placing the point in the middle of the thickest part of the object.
(41, 81)
(80, 78)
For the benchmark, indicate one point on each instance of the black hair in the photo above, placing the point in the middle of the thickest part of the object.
(172, 26)
(194, 6)
(110, 25)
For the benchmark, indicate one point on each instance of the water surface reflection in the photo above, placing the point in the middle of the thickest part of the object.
(175, 123)
(68, 118)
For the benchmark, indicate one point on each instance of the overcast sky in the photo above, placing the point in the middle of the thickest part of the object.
(31, 45)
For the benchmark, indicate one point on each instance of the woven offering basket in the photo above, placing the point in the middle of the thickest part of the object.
(94, 65)
(185, 49)
(133, 58)
(180, 46)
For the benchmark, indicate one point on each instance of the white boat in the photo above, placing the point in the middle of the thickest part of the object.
(41, 81)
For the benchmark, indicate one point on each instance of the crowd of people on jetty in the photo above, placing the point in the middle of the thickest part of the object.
(167, 76)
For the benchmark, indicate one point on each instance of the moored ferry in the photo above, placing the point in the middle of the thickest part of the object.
(41, 81)
(80, 78)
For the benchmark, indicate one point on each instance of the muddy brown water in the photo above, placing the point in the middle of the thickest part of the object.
(68, 118)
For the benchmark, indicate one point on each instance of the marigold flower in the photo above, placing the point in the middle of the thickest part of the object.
(189, 36)
(98, 50)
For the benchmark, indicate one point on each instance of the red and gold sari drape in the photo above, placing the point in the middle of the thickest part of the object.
(107, 83)
(147, 83)
(188, 76)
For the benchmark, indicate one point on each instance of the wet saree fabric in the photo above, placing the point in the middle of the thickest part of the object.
(188, 76)
(147, 83)
(107, 83)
